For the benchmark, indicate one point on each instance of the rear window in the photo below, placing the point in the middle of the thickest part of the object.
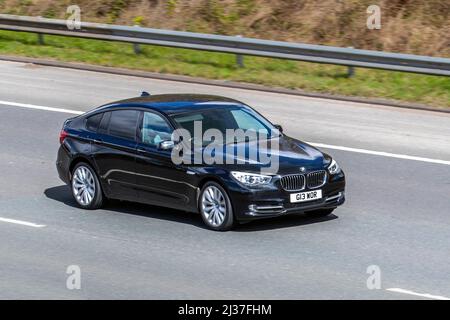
(123, 124)
(93, 122)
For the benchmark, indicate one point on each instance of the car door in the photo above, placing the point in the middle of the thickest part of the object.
(160, 181)
(114, 151)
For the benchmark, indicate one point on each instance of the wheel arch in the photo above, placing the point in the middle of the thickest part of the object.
(81, 158)
(76, 160)
(207, 179)
(215, 179)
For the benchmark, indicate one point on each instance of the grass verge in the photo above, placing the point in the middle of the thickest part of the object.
(430, 90)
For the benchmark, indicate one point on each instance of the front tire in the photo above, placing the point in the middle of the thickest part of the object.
(215, 207)
(86, 189)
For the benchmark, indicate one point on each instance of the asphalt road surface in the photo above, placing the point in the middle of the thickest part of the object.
(397, 214)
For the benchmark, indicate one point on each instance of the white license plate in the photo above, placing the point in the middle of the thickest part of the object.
(306, 196)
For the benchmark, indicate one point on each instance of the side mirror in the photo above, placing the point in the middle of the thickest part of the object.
(279, 127)
(166, 145)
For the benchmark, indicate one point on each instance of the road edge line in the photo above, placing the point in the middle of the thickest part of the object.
(412, 293)
(316, 144)
(23, 223)
(221, 83)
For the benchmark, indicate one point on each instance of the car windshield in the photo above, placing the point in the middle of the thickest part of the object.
(224, 118)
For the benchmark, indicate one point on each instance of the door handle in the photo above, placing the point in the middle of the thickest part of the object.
(98, 140)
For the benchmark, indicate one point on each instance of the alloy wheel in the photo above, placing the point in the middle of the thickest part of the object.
(83, 185)
(214, 205)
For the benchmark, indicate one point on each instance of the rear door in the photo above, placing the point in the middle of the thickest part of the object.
(114, 150)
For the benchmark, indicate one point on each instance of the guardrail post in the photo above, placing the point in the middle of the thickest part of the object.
(40, 38)
(136, 46)
(240, 58)
(350, 69)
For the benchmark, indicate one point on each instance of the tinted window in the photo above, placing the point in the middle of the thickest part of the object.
(226, 118)
(154, 129)
(123, 124)
(247, 121)
(93, 122)
(103, 127)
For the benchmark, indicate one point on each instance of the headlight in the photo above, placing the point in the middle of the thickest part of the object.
(251, 179)
(333, 168)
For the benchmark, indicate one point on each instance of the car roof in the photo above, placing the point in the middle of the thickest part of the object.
(173, 103)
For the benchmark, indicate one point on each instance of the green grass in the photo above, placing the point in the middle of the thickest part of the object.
(431, 90)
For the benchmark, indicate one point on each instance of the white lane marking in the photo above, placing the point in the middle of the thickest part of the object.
(423, 295)
(24, 223)
(32, 106)
(380, 153)
(319, 145)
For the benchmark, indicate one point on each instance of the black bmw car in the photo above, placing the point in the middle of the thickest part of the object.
(125, 150)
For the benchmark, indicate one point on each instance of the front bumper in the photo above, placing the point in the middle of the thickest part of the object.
(257, 204)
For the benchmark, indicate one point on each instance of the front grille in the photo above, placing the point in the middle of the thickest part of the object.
(293, 182)
(297, 182)
(316, 179)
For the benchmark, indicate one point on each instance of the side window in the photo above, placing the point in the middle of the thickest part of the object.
(103, 127)
(154, 129)
(93, 122)
(248, 122)
(123, 123)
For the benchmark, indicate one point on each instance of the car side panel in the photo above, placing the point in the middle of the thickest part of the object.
(161, 182)
(115, 162)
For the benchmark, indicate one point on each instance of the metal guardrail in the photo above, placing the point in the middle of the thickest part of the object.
(236, 45)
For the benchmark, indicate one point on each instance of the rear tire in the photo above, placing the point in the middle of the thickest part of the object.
(86, 189)
(215, 207)
(320, 213)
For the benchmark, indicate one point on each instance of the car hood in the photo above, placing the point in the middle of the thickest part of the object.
(291, 154)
